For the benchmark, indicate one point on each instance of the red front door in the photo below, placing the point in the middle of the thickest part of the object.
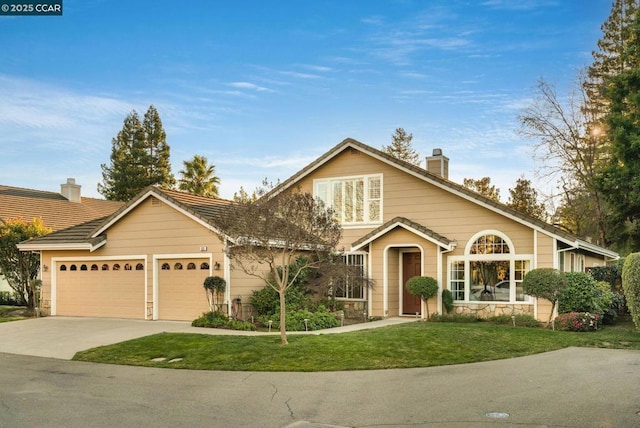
(410, 268)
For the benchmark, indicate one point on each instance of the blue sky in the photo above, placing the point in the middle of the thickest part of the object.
(261, 88)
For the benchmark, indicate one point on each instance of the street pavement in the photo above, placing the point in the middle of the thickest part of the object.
(573, 387)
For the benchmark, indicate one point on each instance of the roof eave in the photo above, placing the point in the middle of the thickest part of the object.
(75, 246)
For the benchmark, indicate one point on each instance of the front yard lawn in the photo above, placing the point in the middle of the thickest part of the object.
(420, 344)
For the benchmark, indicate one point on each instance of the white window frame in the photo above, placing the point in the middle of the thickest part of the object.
(511, 257)
(364, 274)
(326, 195)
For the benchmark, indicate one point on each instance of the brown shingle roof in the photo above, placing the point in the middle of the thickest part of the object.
(206, 209)
(55, 210)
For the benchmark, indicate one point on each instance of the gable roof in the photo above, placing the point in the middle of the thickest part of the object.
(409, 225)
(447, 185)
(56, 211)
(91, 235)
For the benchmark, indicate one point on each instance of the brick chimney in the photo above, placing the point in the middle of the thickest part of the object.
(71, 190)
(438, 164)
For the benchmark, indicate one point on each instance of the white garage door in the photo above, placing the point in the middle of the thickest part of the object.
(181, 295)
(112, 289)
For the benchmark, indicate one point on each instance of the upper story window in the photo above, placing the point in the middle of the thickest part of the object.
(354, 200)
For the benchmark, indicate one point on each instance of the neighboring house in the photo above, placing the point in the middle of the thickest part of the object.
(57, 210)
(150, 258)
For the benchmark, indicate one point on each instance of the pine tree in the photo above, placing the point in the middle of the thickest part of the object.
(159, 166)
(611, 58)
(198, 177)
(620, 179)
(483, 186)
(524, 198)
(401, 147)
(139, 158)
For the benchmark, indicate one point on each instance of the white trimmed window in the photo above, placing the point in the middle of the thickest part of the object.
(354, 200)
(352, 284)
(489, 271)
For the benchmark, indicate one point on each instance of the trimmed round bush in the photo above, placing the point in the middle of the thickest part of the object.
(545, 283)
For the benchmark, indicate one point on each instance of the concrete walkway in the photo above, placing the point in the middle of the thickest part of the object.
(62, 337)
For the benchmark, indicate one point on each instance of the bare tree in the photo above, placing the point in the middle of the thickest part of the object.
(568, 148)
(265, 237)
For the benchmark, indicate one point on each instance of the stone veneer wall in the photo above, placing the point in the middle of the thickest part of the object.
(486, 310)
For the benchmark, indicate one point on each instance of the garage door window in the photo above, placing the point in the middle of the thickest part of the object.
(204, 266)
(139, 266)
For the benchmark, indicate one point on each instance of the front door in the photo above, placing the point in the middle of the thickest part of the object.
(411, 267)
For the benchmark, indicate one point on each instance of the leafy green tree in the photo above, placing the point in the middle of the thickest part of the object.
(272, 232)
(401, 147)
(483, 186)
(620, 178)
(424, 287)
(198, 177)
(545, 283)
(524, 198)
(631, 286)
(18, 267)
(139, 158)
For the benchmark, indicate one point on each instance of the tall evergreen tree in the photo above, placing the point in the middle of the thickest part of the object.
(610, 59)
(524, 198)
(620, 179)
(483, 186)
(198, 177)
(157, 149)
(401, 147)
(139, 158)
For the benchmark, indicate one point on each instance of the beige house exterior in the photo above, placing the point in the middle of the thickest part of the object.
(150, 258)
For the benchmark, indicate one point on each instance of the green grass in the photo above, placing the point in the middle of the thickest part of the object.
(420, 344)
(5, 313)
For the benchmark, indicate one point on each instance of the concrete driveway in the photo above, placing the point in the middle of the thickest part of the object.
(62, 337)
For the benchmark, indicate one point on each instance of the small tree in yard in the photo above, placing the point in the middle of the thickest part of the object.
(545, 283)
(265, 237)
(631, 286)
(425, 287)
(214, 287)
(21, 268)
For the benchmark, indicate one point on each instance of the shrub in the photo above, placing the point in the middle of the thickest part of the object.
(631, 286)
(520, 320)
(217, 319)
(612, 274)
(315, 320)
(461, 318)
(577, 321)
(11, 298)
(585, 294)
(447, 300)
(424, 286)
(545, 283)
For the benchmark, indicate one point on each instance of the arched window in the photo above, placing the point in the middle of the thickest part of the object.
(116, 266)
(63, 267)
(191, 266)
(94, 267)
(105, 267)
(489, 271)
(177, 266)
(165, 266)
(73, 267)
(204, 265)
(127, 266)
(139, 266)
(83, 267)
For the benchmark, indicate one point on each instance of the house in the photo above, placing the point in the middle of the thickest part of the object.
(149, 259)
(57, 210)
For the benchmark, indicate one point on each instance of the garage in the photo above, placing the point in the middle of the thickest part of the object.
(181, 295)
(113, 288)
